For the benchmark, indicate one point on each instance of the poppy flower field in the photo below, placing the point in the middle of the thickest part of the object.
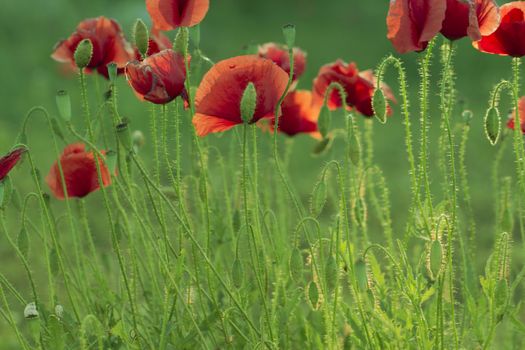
(233, 174)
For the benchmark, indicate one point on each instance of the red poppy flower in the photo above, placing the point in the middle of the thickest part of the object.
(80, 173)
(510, 123)
(279, 55)
(171, 14)
(473, 18)
(157, 43)
(159, 78)
(413, 23)
(219, 95)
(298, 115)
(8, 162)
(359, 87)
(509, 38)
(109, 45)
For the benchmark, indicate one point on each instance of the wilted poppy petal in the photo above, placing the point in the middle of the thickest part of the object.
(171, 14)
(8, 162)
(220, 92)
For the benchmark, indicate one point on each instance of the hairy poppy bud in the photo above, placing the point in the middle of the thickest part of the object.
(296, 265)
(138, 140)
(313, 295)
(141, 37)
(83, 53)
(112, 72)
(467, 116)
(325, 121)
(248, 103)
(237, 273)
(435, 259)
(64, 105)
(492, 125)
(181, 41)
(59, 311)
(379, 106)
(289, 35)
(124, 135)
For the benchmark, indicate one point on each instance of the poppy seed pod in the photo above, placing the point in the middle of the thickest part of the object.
(64, 105)
(248, 103)
(141, 37)
(289, 35)
(83, 53)
(112, 72)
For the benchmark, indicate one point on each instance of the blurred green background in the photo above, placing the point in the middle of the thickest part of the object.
(353, 30)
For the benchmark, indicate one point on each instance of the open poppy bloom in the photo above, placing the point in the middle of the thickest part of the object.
(359, 87)
(157, 43)
(413, 23)
(279, 55)
(510, 122)
(219, 95)
(80, 173)
(109, 45)
(299, 115)
(473, 18)
(159, 78)
(8, 162)
(509, 38)
(172, 14)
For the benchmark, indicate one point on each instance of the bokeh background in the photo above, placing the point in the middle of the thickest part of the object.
(353, 30)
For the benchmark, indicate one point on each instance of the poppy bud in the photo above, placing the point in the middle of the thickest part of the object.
(379, 106)
(141, 37)
(331, 273)
(64, 105)
(319, 197)
(467, 116)
(296, 265)
(435, 259)
(181, 41)
(83, 53)
(289, 35)
(313, 295)
(322, 146)
(353, 148)
(325, 121)
(248, 103)
(30, 311)
(361, 275)
(111, 161)
(492, 125)
(237, 274)
(124, 135)
(59, 311)
(138, 139)
(112, 73)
